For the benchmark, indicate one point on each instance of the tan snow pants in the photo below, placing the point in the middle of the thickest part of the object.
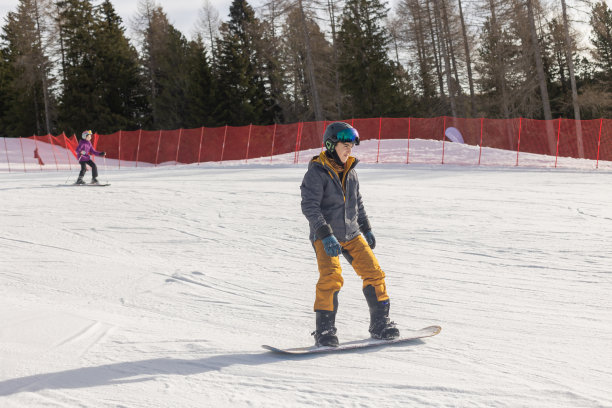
(363, 261)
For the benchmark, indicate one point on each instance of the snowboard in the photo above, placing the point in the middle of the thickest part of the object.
(407, 335)
(85, 185)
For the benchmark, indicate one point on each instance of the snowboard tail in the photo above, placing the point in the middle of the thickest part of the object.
(358, 344)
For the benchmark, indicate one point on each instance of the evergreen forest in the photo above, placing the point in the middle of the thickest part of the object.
(69, 65)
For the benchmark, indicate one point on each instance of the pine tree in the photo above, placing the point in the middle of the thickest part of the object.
(200, 91)
(241, 93)
(6, 92)
(498, 54)
(79, 106)
(119, 91)
(165, 59)
(367, 73)
(270, 67)
(323, 67)
(26, 80)
(601, 22)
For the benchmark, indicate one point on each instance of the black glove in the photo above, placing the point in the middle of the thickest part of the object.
(102, 154)
(369, 236)
(332, 246)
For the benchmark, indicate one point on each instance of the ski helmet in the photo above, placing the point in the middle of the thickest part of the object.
(339, 132)
(85, 134)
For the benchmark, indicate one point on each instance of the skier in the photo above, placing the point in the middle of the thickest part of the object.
(334, 209)
(84, 149)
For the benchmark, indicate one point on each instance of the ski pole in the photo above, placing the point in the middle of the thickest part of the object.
(105, 168)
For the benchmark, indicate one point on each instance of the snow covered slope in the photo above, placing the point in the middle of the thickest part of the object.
(159, 290)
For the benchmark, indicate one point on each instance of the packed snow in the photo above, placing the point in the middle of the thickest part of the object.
(159, 290)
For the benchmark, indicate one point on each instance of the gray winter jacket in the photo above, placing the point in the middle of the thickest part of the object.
(331, 205)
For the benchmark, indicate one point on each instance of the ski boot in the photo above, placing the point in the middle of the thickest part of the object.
(80, 181)
(381, 327)
(325, 334)
(94, 181)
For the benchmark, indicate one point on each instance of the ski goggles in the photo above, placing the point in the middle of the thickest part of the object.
(348, 135)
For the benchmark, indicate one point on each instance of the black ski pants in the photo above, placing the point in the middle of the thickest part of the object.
(94, 169)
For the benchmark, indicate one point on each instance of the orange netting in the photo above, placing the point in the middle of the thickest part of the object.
(394, 139)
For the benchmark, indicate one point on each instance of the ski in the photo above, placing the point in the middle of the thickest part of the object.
(407, 336)
(84, 185)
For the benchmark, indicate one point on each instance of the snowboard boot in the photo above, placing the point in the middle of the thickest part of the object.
(325, 334)
(381, 327)
(80, 181)
(94, 181)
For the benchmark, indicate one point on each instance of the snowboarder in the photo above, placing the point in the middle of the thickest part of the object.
(83, 150)
(334, 209)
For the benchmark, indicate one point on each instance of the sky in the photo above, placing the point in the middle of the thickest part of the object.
(183, 14)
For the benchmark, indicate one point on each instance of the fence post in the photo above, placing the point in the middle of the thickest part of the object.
(324, 127)
(138, 146)
(297, 142)
(37, 154)
(8, 161)
(200, 148)
(22, 155)
(558, 135)
(158, 143)
(379, 132)
(518, 147)
(599, 141)
(480, 152)
(300, 143)
(178, 146)
(273, 137)
(246, 160)
(443, 139)
(119, 150)
(408, 147)
(53, 150)
(223, 146)
(67, 153)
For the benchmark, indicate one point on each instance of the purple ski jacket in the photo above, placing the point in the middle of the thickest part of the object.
(84, 149)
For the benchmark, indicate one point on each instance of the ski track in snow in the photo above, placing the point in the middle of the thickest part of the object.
(159, 290)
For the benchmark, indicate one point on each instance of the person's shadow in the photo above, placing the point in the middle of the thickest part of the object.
(146, 370)
(128, 372)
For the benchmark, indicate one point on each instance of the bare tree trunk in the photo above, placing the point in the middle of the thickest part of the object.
(61, 43)
(541, 78)
(421, 51)
(570, 64)
(410, 14)
(393, 25)
(36, 112)
(331, 7)
(316, 104)
(144, 20)
(43, 71)
(500, 70)
(449, 45)
(468, 62)
(209, 21)
(447, 64)
(435, 52)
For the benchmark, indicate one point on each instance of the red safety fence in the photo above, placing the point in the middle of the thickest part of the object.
(500, 142)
